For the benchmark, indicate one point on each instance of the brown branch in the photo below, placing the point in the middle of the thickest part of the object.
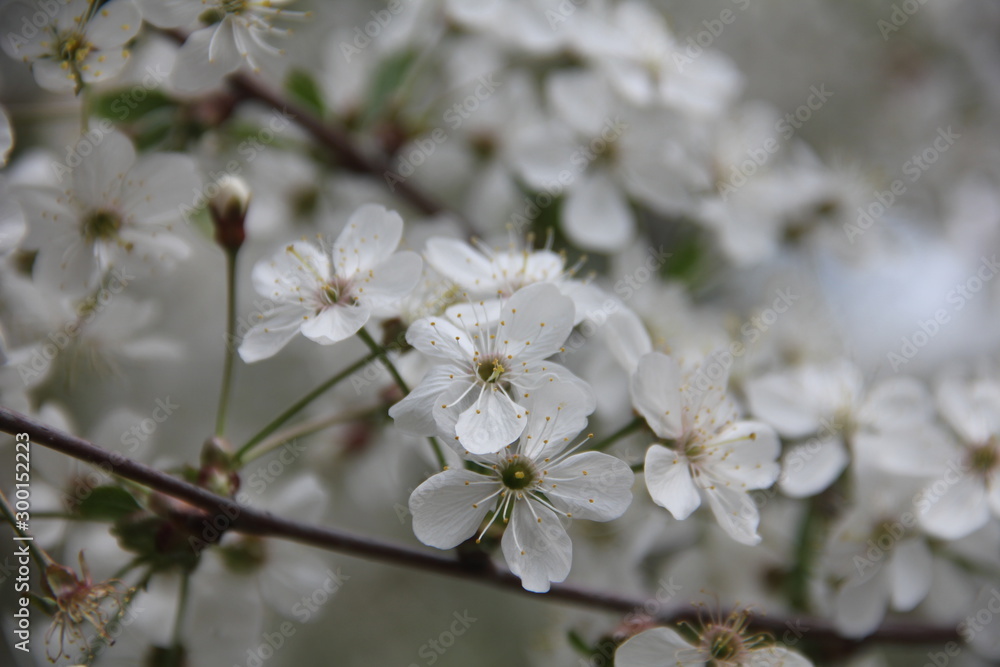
(335, 140)
(255, 522)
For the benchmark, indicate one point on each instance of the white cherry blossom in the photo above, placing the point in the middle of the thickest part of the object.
(529, 485)
(234, 33)
(81, 43)
(328, 294)
(488, 365)
(116, 210)
(720, 643)
(711, 453)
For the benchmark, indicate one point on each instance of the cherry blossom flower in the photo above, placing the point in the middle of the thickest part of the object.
(529, 485)
(889, 426)
(720, 643)
(489, 365)
(972, 409)
(234, 33)
(329, 294)
(711, 454)
(117, 211)
(486, 272)
(83, 42)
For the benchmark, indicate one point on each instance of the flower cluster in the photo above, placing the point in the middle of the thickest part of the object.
(590, 296)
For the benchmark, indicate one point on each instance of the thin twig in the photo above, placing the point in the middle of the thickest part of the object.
(255, 522)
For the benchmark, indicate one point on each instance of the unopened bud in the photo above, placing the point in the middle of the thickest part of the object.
(229, 210)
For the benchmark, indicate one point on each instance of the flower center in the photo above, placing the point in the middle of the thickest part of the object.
(724, 644)
(984, 458)
(101, 225)
(245, 556)
(490, 370)
(72, 47)
(330, 295)
(518, 474)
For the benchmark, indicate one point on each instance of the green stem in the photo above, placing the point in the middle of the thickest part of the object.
(227, 371)
(306, 428)
(630, 427)
(380, 351)
(40, 557)
(276, 423)
(805, 550)
(382, 354)
(181, 608)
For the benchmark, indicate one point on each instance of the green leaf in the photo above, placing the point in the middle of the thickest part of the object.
(107, 503)
(301, 86)
(387, 82)
(127, 105)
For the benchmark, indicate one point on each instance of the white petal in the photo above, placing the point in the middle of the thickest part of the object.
(668, 479)
(910, 573)
(291, 273)
(535, 322)
(415, 413)
(536, 546)
(266, 338)
(169, 13)
(336, 323)
(972, 408)
(596, 216)
(448, 508)
(194, 71)
(745, 453)
(777, 656)
(390, 281)
(461, 263)
(627, 339)
(735, 512)
(99, 178)
(656, 394)
(50, 75)
(440, 338)
(657, 647)
(113, 24)
(491, 423)
(780, 401)
(602, 494)
(959, 510)
(557, 413)
(809, 468)
(370, 237)
(6, 136)
(157, 188)
(859, 609)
